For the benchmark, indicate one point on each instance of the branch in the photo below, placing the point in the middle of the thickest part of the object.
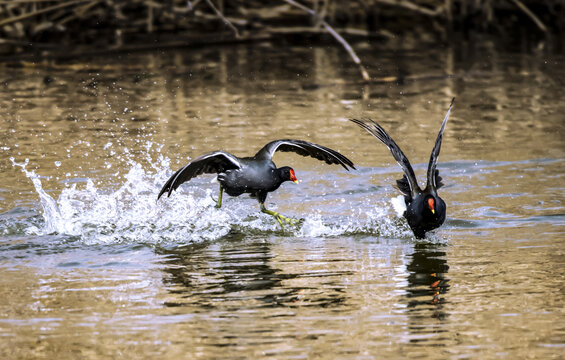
(41, 11)
(338, 37)
(413, 7)
(531, 15)
(221, 16)
(78, 13)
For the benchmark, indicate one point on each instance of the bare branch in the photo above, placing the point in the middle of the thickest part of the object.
(41, 11)
(529, 13)
(338, 37)
(411, 6)
(221, 16)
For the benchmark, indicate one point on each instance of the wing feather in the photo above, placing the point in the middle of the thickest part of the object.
(408, 184)
(304, 148)
(434, 180)
(212, 163)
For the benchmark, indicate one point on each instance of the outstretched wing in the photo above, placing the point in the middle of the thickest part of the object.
(434, 180)
(304, 148)
(408, 184)
(212, 163)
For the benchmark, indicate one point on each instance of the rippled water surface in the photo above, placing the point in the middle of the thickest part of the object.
(92, 266)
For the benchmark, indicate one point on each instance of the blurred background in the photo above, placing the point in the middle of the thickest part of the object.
(102, 100)
(59, 28)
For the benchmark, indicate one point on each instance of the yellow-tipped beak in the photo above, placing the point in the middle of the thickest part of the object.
(432, 205)
(293, 177)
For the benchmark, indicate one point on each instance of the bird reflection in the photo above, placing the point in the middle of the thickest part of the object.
(427, 286)
(238, 272)
(427, 279)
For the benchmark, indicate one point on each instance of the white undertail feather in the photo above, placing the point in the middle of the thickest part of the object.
(399, 205)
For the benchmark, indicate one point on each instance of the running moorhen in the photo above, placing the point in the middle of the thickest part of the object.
(257, 175)
(425, 210)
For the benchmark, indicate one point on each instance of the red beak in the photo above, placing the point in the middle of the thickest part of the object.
(432, 205)
(293, 177)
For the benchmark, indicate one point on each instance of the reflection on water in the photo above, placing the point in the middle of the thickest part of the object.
(426, 295)
(93, 266)
(240, 272)
(427, 280)
(211, 278)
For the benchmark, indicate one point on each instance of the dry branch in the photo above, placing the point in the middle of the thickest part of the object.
(411, 6)
(224, 19)
(41, 11)
(338, 37)
(532, 16)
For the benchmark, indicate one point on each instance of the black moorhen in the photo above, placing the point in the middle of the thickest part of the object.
(425, 210)
(257, 175)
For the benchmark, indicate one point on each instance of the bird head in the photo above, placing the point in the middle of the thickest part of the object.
(288, 174)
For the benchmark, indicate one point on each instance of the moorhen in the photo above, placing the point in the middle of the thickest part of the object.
(425, 210)
(257, 175)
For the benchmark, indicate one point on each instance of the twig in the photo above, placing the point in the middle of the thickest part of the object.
(530, 14)
(449, 10)
(221, 16)
(408, 5)
(350, 31)
(41, 11)
(338, 37)
(236, 21)
(78, 12)
(149, 18)
(12, 2)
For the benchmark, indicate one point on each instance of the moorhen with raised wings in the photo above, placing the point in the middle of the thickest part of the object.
(257, 175)
(425, 210)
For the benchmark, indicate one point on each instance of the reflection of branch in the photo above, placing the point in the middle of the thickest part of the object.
(221, 16)
(338, 37)
(531, 15)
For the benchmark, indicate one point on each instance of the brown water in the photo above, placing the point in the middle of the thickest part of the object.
(93, 267)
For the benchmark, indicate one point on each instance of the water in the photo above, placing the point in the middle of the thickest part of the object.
(94, 267)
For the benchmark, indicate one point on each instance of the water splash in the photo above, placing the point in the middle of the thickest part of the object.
(132, 214)
(51, 214)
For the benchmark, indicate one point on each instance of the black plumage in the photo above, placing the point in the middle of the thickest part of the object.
(425, 210)
(257, 175)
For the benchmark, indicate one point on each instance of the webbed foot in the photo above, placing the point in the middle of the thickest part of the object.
(281, 218)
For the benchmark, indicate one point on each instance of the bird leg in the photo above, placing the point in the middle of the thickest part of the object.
(280, 218)
(219, 201)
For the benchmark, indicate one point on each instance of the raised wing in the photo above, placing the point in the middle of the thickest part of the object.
(212, 163)
(434, 180)
(408, 184)
(304, 148)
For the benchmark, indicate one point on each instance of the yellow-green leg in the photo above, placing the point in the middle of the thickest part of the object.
(219, 202)
(280, 218)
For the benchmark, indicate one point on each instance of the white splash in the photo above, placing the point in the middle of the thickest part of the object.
(51, 213)
(131, 213)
